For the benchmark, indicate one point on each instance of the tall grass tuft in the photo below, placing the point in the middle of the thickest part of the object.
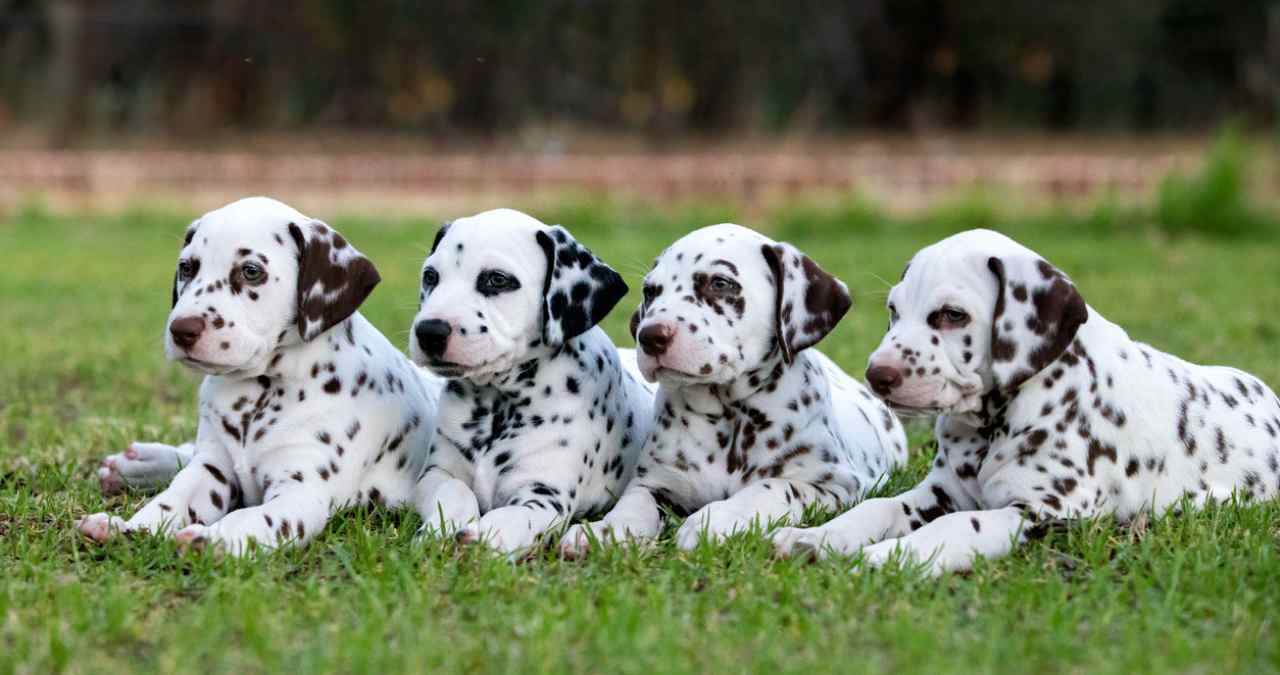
(1215, 200)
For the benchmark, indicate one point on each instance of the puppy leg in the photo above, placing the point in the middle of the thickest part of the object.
(143, 466)
(445, 503)
(291, 512)
(635, 518)
(761, 504)
(203, 492)
(531, 510)
(876, 519)
(951, 543)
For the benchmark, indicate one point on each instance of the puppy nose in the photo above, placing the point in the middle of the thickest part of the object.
(884, 379)
(186, 331)
(433, 335)
(655, 338)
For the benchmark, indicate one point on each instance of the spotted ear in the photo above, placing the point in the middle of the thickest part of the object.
(809, 301)
(579, 290)
(186, 241)
(1038, 312)
(333, 278)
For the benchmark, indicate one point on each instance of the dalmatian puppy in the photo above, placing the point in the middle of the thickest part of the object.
(542, 419)
(1046, 411)
(305, 407)
(752, 425)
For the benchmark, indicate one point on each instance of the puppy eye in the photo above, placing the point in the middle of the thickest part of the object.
(723, 285)
(493, 281)
(252, 273)
(430, 278)
(650, 292)
(953, 315)
(185, 270)
(893, 314)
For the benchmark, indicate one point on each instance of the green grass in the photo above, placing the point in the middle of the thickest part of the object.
(82, 305)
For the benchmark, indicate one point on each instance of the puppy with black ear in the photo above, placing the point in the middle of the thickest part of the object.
(1045, 410)
(543, 417)
(752, 424)
(305, 407)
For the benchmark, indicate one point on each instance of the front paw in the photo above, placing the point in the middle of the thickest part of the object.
(100, 526)
(506, 530)
(716, 522)
(577, 541)
(811, 543)
(194, 537)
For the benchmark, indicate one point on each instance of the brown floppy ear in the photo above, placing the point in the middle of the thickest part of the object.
(810, 302)
(333, 278)
(1038, 312)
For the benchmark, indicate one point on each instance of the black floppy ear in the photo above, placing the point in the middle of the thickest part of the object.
(444, 229)
(333, 278)
(1038, 312)
(810, 302)
(579, 289)
(186, 241)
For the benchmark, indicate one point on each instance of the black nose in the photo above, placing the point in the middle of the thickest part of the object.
(186, 331)
(433, 336)
(655, 338)
(884, 379)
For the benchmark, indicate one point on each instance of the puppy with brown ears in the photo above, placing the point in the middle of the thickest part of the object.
(752, 425)
(305, 407)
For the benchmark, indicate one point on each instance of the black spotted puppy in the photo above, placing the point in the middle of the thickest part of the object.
(752, 425)
(1045, 410)
(542, 418)
(305, 407)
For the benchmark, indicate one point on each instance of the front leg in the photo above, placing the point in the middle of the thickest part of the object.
(292, 512)
(445, 503)
(951, 543)
(143, 466)
(635, 518)
(531, 510)
(202, 492)
(759, 504)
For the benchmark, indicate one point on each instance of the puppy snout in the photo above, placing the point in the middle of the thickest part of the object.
(655, 338)
(433, 336)
(884, 379)
(186, 331)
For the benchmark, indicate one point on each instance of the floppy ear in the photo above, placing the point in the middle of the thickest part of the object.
(579, 289)
(1038, 312)
(444, 229)
(809, 302)
(333, 278)
(186, 241)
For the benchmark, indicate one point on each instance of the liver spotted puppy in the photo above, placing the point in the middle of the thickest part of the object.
(542, 418)
(752, 425)
(305, 407)
(1047, 410)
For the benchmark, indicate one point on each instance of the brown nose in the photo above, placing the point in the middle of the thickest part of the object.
(186, 331)
(655, 338)
(884, 379)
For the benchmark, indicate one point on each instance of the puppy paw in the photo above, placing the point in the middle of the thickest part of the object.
(716, 521)
(805, 543)
(100, 526)
(194, 537)
(576, 542)
(141, 465)
(506, 530)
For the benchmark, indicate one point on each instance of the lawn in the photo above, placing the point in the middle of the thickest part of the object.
(82, 305)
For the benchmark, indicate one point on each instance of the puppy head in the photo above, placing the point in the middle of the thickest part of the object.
(500, 284)
(974, 313)
(725, 300)
(256, 276)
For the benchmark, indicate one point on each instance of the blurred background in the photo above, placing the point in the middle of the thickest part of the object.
(405, 105)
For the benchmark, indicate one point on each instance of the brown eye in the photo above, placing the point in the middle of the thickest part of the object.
(252, 273)
(723, 285)
(954, 316)
(185, 270)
